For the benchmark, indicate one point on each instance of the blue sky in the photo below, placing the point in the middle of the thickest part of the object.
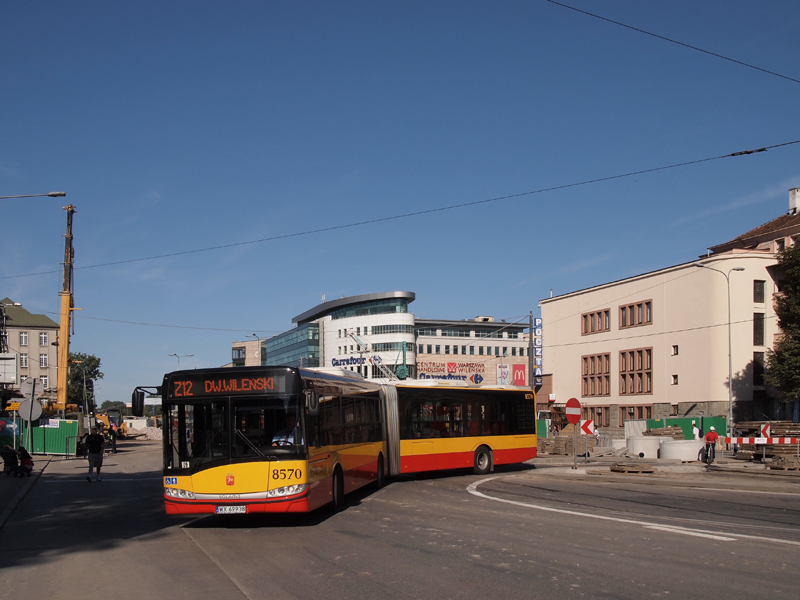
(179, 126)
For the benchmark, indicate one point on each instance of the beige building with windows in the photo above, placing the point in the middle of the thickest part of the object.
(31, 339)
(657, 344)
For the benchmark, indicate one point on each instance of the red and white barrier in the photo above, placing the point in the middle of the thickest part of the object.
(760, 440)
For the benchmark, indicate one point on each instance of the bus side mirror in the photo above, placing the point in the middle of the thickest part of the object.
(137, 403)
(312, 403)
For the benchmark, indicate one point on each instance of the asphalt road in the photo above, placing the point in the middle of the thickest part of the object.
(526, 533)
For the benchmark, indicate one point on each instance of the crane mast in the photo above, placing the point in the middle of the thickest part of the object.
(67, 306)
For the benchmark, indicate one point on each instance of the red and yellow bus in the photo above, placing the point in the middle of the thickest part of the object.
(282, 439)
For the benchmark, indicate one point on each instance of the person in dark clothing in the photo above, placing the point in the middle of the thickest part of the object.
(112, 436)
(95, 444)
(25, 462)
(10, 460)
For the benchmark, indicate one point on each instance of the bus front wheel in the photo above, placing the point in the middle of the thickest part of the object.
(338, 491)
(483, 461)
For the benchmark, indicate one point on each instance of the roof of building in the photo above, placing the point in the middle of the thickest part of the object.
(16, 317)
(471, 324)
(326, 308)
(707, 260)
(783, 226)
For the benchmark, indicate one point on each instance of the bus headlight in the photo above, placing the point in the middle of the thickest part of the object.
(289, 490)
(176, 493)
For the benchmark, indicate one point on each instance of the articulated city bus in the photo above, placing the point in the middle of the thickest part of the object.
(281, 439)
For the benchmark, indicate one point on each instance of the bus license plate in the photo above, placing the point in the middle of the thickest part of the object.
(231, 510)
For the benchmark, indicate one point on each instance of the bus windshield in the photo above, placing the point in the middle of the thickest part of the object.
(202, 433)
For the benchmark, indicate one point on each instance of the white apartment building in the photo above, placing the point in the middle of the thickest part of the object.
(657, 344)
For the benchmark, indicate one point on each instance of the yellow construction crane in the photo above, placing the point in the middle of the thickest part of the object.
(67, 306)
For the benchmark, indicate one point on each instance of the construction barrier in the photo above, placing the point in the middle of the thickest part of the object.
(759, 440)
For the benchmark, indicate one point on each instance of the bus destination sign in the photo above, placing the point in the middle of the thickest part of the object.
(214, 385)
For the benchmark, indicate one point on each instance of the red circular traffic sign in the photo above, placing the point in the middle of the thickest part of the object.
(573, 411)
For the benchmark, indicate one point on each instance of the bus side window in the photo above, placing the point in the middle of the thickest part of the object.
(312, 430)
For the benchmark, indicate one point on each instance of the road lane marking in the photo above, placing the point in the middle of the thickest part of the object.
(473, 489)
(691, 532)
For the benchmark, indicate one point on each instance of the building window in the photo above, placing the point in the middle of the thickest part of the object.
(780, 245)
(636, 372)
(505, 351)
(596, 374)
(634, 315)
(23, 338)
(629, 413)
(447, 349)
(758, 291)
(43, 338)
(497, 350)
(463, 349)
(674, 380)
(472, 350)
(455, 349)
(522, 351)
(43, 361)
(23, 361)
(758, 368)
(598, 414)
(44, 381)
(675, 350)
(480, 350)
(758, 329)
(596, 322)
(438, 349)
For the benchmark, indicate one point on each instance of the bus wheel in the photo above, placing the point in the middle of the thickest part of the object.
(381, 479)
(483, 461)
(338, 490)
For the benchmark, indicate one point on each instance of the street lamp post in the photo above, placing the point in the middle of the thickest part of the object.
(50, 194)
(83, 368)
(259, 347)
(730, 342)
(3, 334)
(179, 358)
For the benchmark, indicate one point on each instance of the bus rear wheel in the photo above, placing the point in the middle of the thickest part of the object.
(483, 461)
(338, 491)
(380, 481)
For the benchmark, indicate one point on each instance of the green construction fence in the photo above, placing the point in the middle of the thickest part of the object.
(50, 436)
(685, 423)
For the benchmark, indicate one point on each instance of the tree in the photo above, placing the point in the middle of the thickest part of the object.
(783, 364)
(79, 363)
(113, 404)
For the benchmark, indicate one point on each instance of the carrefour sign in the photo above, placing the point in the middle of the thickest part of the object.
(346, 362)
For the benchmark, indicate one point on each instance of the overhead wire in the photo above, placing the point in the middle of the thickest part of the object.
(417, 213)
(672, 41)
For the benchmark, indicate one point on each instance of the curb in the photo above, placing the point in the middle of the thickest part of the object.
(21, 494)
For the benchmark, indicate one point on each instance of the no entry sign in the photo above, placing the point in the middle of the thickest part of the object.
(573, 411)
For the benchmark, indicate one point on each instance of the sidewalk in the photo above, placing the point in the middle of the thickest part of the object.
(133, 457)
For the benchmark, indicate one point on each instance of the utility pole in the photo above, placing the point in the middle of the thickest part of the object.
(530, 349)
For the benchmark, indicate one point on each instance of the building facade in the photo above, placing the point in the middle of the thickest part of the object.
(377, 336)
(661, 344)
(473, 351)
(31, 340)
